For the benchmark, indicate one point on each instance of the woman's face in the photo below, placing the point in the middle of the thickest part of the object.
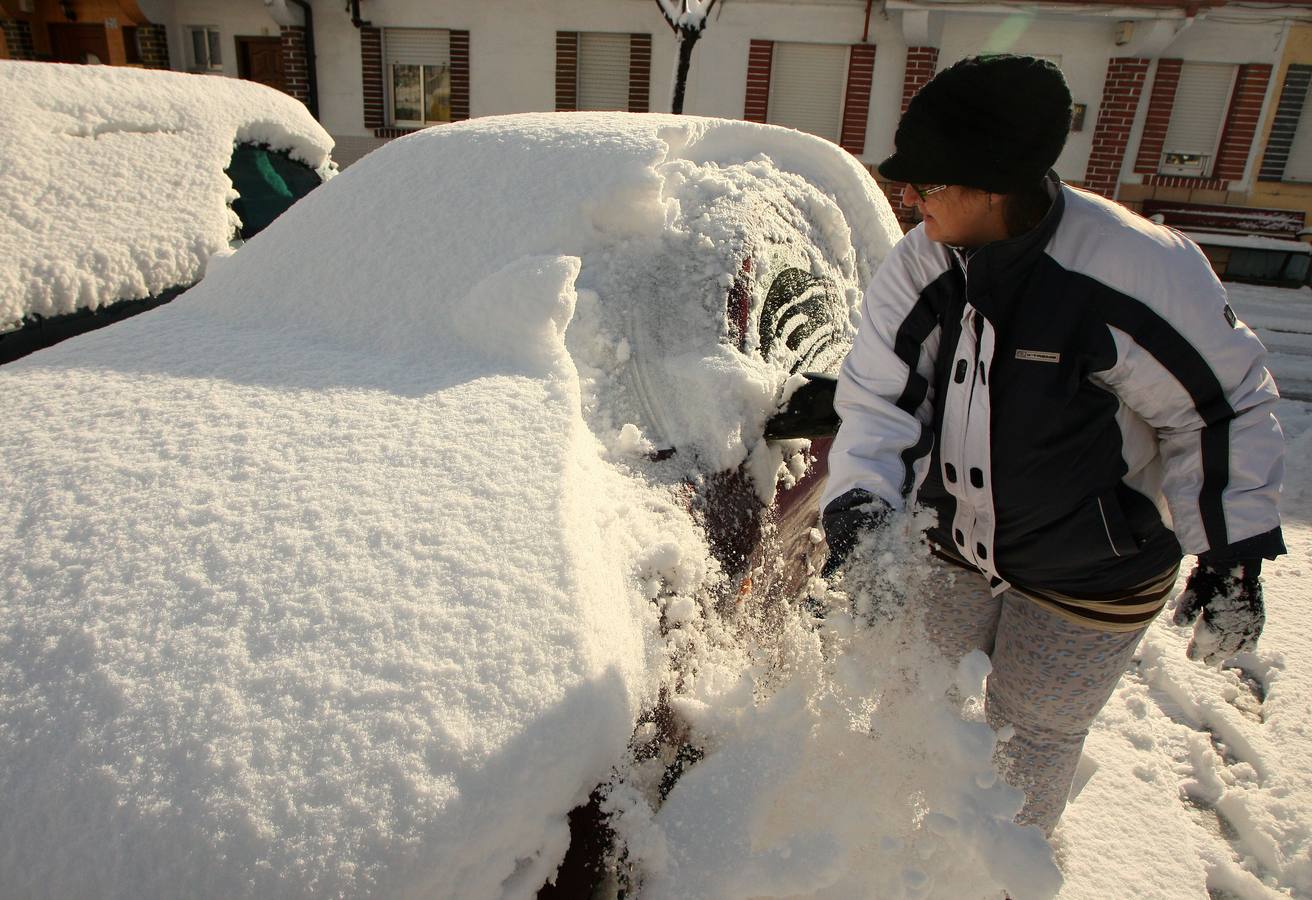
(959, 216)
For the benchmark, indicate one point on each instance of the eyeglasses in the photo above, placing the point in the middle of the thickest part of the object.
(927, 190)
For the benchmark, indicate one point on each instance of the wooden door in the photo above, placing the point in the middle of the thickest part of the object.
(79, 43)
(260, 59)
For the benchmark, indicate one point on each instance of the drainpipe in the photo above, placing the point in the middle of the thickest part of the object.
(355, 15)
(311, 65)
(865, 32)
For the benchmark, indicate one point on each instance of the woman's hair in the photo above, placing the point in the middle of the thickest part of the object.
(1025, 209)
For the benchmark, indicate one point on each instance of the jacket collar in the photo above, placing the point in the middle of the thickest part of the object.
(997, 268)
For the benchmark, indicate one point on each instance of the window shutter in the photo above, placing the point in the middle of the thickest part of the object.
(1299, 165)
(603, 71)
(417, 46)
(806, 87)
(1201, 100)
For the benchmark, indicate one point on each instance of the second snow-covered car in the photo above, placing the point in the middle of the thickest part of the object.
(117, 186)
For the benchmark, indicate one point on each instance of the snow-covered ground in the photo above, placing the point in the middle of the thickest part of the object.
(350, 572)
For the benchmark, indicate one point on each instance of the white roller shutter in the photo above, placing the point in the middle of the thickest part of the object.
(806, 88)
(417, 46)
(603, 71)
(1199, 111)
(1299, 166)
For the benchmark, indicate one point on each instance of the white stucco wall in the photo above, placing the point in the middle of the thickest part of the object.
(1083, 47)
(513, 50)
(234, 18)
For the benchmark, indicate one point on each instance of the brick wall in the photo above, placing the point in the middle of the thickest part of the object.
(922, 63)
(459, 76)
(295, 66)
(371, 74)
(1288, 111)
(154, 43)
(1155, 126)
(856, 102)
(1241, 121)
(1120, 101)
(567, 71)
(18, 39)
(760, 59)
(639, 72)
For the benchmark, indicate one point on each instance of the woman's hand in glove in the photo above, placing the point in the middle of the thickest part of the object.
(845, 519)
(1229, 596)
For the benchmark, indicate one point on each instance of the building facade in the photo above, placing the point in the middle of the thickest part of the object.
(1196, 103)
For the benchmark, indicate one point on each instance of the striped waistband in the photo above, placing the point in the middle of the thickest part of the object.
(1121, 611)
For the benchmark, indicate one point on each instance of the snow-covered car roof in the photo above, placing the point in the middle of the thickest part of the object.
(344, 573)
(112, 183)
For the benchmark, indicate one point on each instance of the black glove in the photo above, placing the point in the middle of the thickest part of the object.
(1229, 595)
(845, 520)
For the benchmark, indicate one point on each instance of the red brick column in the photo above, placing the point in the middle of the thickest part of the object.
(154, 43)
(639, 72)
(1241, 121)
(856, 103)
(567, 71)
(760, 59)
(371, 73)
(1120, 101)
(1160, 103)
(459, 75)
(922, 62)
(295, 66)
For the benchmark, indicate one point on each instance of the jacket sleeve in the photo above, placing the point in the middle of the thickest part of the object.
(884, 394)
(1189, 368)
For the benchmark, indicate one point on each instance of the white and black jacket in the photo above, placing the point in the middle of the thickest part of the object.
(1079, 404)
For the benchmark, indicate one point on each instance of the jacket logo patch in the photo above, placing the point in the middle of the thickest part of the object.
(1230, 316)
(1038, 356)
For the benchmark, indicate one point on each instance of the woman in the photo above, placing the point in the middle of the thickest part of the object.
(1063, 382)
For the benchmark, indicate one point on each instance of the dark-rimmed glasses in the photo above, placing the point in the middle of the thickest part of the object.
(925, 191)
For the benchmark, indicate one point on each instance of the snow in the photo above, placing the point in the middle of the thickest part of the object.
(1247, 241)
(351, 571)
(335, 576)
(111, 179)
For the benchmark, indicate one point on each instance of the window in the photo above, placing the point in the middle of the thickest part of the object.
(806, 88)
(1201, 101)
(205, 48)
(603, 71)
(418, 65)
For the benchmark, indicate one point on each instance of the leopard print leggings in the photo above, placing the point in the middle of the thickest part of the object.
(1050, 678)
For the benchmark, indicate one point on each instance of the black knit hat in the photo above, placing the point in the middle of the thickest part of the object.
(991, 122)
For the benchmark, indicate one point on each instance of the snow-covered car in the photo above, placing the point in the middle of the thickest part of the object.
(117, 186)
(354, 570)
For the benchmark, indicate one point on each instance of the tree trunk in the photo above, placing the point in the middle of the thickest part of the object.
(687, 40)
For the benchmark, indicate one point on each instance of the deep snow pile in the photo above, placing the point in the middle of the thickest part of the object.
(336, 575)
(112, 183)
